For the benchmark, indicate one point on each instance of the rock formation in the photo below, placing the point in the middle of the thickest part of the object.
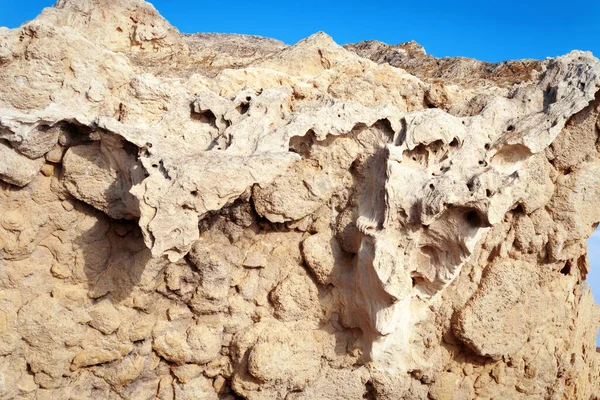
(225, 217)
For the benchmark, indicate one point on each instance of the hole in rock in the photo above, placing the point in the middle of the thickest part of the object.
(426, 154)
(205, 116)
(243, 108)
(510, 128)
(473, 218)
(550, 97)
(568, 170)
(402, 134)
(593, 277)
(370, 393)
(510, 155)
(566, 269)
(303, 144)
(518, 209)
(385, 127)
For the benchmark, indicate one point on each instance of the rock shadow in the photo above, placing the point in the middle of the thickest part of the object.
(354, 285)
(111, 252)
(113, 256)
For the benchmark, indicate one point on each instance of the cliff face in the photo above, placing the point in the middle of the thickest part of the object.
(223, 216)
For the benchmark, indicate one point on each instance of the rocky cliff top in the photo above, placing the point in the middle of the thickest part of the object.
(412, 57)
(225, 216)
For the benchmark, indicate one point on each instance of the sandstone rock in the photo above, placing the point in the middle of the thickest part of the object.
(296, 298)
(270, 353)
(226, 216)
(321, 253)
(102, 178)
(99, 355)
(412, 57)
(198, 344)
(500, 303)
(105, 318)
(131, 25)
(199, 388)
(17, 169)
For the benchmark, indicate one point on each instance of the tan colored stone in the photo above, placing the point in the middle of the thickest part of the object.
(198, 344)
(105, 317)
(187, 372)
(223, 213)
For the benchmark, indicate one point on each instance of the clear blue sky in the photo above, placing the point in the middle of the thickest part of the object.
(594, 276)
(484, 29)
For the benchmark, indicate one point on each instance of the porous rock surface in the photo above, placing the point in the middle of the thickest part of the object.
(224, 217)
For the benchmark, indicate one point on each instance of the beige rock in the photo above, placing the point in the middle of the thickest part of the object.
(47, 170)
(198, 388)
(55, 155)
(94, 356)
(296, 298)
(187, 372)
(321, 253)
(224, 216)
(274, 355)
(105, 317)
(198, 344)
(17, 169)
(132, 24)
(102, 178)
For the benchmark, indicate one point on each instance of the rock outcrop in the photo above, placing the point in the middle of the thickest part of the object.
(413, 58)
(224, 216)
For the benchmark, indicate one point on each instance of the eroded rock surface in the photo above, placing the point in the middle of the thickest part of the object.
(224, 216)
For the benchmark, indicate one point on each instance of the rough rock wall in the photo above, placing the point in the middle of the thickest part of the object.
(412, 57)
(222, 217)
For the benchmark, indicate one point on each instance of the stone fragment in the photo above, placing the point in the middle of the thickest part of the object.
(102, 178)
(321, 253)
(198, 345)
(105, 317)
(15, 168)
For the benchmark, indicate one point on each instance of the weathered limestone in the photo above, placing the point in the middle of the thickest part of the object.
(220, 217)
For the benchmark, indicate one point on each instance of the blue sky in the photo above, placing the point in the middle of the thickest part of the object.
(482, 29)
(593, 277)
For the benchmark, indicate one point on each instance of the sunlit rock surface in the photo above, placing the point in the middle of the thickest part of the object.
(224, 216)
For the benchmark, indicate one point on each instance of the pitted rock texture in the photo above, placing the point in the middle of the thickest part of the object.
(224, 216)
